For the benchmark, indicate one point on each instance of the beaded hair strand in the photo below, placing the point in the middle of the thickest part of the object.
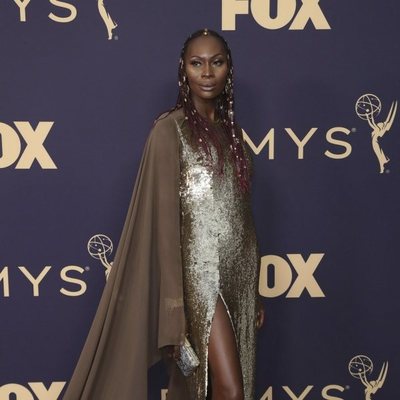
(203, 131)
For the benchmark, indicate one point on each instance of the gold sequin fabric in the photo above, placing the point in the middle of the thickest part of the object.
(220, 258)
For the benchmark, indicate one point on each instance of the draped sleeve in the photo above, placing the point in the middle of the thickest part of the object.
(141, 308)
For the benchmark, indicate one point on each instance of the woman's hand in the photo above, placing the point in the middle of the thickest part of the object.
(260, 316)
(174, 352)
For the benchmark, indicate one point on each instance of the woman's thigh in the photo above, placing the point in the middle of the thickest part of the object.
(223, 357)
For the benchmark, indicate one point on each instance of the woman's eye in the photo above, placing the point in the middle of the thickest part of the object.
(219, 62)
(195, 63)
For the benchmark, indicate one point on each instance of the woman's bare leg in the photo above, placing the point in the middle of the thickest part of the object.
(223, 358)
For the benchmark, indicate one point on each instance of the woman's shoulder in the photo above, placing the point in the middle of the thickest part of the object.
(164, 130)
(169, 119)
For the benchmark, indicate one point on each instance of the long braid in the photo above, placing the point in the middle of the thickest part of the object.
(203, 131)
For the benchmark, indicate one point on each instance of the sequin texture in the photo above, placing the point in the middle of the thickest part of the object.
(220, 257)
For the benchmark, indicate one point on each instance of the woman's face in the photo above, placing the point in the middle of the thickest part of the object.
(206, 68)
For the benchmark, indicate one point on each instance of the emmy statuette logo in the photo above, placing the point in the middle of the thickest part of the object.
(368, 107)
(360, 367)
(108, 21)
(98, 247)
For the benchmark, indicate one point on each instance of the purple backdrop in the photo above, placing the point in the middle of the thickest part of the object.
(316, 86)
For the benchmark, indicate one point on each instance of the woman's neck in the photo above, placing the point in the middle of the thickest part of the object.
(205, 108)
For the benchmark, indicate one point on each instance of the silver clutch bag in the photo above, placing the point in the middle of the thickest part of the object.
(188, 360)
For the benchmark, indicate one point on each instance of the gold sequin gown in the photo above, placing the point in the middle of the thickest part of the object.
(220, 258)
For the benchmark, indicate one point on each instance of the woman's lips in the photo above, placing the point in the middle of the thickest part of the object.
(207, 88)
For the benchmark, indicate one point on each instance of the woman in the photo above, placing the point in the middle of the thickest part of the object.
(187, 259)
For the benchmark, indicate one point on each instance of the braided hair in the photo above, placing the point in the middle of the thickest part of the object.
(204, 131)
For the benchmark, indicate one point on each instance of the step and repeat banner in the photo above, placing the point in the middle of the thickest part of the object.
(317, 89)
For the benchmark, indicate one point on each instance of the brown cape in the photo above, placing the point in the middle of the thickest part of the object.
(141, 309)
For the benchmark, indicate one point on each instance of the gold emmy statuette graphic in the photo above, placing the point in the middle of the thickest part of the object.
(98, 247)
(109, 22)
(368, 106)
(360, 366)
